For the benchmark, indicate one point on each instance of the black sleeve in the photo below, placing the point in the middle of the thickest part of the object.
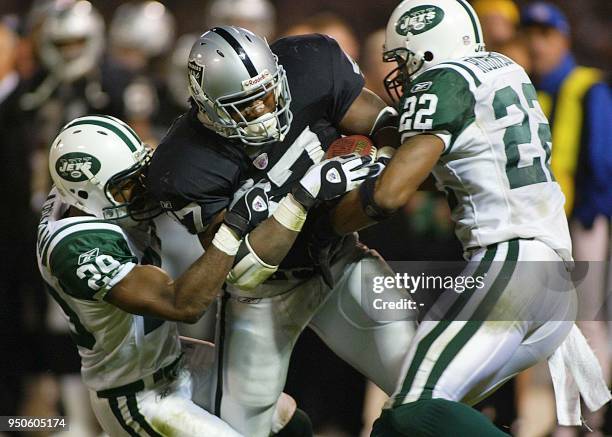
(347, 81)
(191, 181)
(200, 195)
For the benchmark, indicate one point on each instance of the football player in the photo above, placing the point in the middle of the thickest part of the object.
(471, 118)
(97, 253)
(260, 112)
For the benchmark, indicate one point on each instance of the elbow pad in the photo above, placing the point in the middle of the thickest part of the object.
(249, 270)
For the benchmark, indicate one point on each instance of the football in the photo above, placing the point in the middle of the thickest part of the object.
(351, 144)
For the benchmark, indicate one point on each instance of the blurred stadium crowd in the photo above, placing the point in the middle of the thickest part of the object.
(61, 59)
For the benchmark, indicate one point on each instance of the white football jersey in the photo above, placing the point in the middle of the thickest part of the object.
(81, 259)
(495, 168)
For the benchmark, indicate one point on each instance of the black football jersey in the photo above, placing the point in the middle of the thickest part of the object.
(194, 172)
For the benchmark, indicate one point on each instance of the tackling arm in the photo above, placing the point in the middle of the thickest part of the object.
(377, 198)
(370, 115)
(148, 290)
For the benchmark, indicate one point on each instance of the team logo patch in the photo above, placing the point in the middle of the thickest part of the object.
(420, 87)
(259, 204)
(419, 19)
(88, 256)
(196, 71)
(333, 176)
(71, 166)
(261, 161)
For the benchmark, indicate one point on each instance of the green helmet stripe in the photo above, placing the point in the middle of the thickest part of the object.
(125, 125)
(108, 126)
(473, 19)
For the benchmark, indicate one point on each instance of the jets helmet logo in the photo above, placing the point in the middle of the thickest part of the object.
(77, 166)
(419, 19)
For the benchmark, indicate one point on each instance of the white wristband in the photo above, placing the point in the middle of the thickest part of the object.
(290, 213)
(226, 241)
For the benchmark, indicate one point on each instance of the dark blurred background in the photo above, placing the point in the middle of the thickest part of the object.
(139, 76)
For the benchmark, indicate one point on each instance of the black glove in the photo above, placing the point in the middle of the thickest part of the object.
(248, 208)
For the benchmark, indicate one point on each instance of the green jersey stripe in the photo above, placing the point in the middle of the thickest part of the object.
(90, 225)
(45, 248)
(108, 126)
(477, 81)
(82, 337)
(472, 326)
(473, 19)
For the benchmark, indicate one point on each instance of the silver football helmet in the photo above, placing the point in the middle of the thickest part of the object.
(259, 16)
(147, 26)
(230, 68)
(72, 40)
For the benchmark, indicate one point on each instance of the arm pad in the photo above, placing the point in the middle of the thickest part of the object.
(249, 270)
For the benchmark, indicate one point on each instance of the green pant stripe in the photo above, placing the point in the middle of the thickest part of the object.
(428, 340)
(493, 295)
(465, 334)
(114, 405)
(467, 294)
(139, 418)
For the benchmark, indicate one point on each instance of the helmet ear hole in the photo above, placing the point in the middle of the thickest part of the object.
(83, 194)
(428, 56)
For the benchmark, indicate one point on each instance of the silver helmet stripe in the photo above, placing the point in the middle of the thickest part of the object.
(242, 54)
(473, 19)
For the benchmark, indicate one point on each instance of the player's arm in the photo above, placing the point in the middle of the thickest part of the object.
(378, 198)
(369, 115)
(149, 290)
(434, 112)
(266, 245)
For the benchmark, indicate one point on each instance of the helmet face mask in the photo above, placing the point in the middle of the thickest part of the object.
(127, 190)
(395, 80)
(223, 89)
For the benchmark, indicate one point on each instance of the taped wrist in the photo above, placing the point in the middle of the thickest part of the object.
(290, 213)
(369, 205)
(226, 240)
(249, 271)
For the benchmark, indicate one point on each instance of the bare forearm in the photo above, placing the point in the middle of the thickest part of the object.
(271, 241)
(405, 173)
(197, 287)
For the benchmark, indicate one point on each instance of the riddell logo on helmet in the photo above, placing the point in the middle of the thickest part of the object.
(418, 20)
(254, 82)
(71, 166)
